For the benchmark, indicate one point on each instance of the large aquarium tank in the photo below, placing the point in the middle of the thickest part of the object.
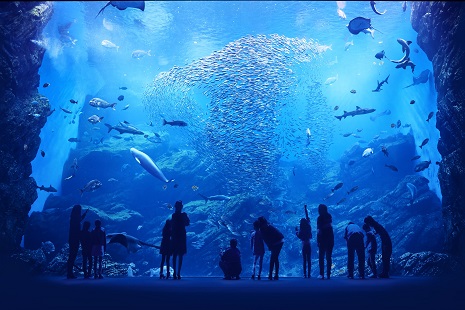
(239, 109)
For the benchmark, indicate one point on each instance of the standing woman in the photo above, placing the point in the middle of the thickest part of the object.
(304, 233)
(274, 240)
(73, 238)
(179, 221)
(325, 240)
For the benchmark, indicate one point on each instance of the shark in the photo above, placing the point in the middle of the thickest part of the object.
(357, 111)
(49, 189)
(405, 48)
(421, 79)
(378, 88)
(123, 5)
(147, 163)
(215, 197)
(124, 128)
(132, 244)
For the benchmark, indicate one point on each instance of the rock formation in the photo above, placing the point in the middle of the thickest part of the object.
(440, 27)
(23, 112)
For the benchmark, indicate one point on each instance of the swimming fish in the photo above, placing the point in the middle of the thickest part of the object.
(412, 101)
(367, 152)
(42, 153)
(73, 101)
(380, 55)
(109, 44)
(331, 80)
(393, 168)
(353, 91)
(424, 143)
(46, 85)
(147, 163)
(120, 97)
(430, 115)
(372, 3)
(140, 53)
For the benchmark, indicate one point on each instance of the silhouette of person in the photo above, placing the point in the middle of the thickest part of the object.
(386, 245)
(165, 249)
(258, 249)
(325, 240)
(99, 247)
(274, 240)
(179, 221)
(86, 249)
(355, 244)
(304, 233)
(230, 261)
(73, 238)
(372, 247)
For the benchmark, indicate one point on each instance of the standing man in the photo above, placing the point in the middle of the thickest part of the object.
(354, 237)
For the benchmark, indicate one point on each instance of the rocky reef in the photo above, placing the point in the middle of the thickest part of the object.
(440, 27)
(23, 113)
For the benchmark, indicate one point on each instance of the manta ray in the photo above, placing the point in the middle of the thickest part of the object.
(421, 79)
(129, 242)
(123, 5)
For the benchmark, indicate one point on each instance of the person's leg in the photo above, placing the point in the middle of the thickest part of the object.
(270, 274)
(167, 266)
(321, 262)
(373, 264)
(260, 265)
(162, 264)
(329, 261)
(361, 258)
(276, 263)
(84, 265)
(175, 275)
(304, 260)
(179, 266)
(255, 259)
(73, 250)
(100, 267)
(95, 267)
(89, 271)
(350, 258)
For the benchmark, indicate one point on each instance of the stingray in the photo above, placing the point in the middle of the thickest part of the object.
(123, 5)
(129, 242)
(359, 24)
(421, 79)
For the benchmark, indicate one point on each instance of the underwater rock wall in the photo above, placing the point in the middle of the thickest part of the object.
(22, 113)
(440, 27)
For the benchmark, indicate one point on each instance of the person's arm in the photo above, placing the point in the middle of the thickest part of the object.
(84, 214)
(306, 213)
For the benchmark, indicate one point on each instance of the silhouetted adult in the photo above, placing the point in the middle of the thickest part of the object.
(325, 240)
(86, 249)
(230, 261)
(179, 221)
(258, 249)
(274, 240)
(386, 245)
(304, 233)
(99, 247)
(73, 237)
(355, 244)
(165, 249)
(372, 247)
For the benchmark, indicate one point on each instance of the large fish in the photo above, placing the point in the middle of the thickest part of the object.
(422, 78)
(91, 186)
(215, 197)
(124, 128)
(147, 163)
(373, 7)
(129, 242)
(357, 111)
(100, 103)
(175, 123)
(422, 166)
(49, 189)
(405, 48)
(123, 5)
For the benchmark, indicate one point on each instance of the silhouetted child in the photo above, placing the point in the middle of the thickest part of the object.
(230, 261)
(86, 249)
(304, 233)
(371, 246)
(258, 249)
(165, 249)
(99, 247)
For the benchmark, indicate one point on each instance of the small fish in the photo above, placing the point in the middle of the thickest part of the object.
(404, 6)
(120, 97)
(123, 88)
(393, 125)
(46, 85)
(109, 44)
(367, 152)
(194, 188)
(36, 115)
(351, 162)
(353, 91)
(175, 185)
(140, 53)
(126, 107)
(430, 115)
(73, 101)
(406, 125)
(347, 134)
(94, 119)
(34, 102)
(165, 187)
(66, 110)
(415, 157)
(412, 101)
(353, 189)
(393, 168)
(424, 143)
(74, 140)
(385, 151)
(341, 201)
(336, 108)
(348, 44)
(422, 166)
(398, 123)
(380, 55)
(329, 196)
(42, 153)
(338, 186)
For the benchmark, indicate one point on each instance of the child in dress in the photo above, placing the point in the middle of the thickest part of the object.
(258, 248)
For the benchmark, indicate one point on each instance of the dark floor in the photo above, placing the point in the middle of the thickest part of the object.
(55, 292)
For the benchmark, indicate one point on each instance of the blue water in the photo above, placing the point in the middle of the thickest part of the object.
(182, 35)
